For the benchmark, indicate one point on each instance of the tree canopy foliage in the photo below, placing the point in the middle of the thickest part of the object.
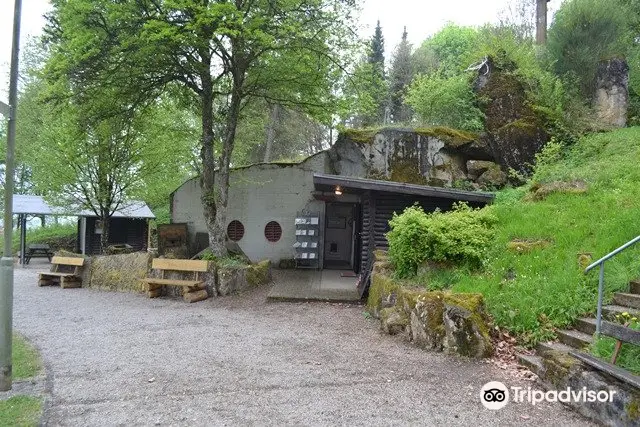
(219, 55)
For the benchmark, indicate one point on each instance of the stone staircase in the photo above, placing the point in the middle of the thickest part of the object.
(583, 330)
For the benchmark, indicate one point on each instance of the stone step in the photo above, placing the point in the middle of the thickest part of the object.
(543, 347)
(586, 325)
(575, 339)
(627, 300)
(610, 311)
(634, 287)
(531, 362)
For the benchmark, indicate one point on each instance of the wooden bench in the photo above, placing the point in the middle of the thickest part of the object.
(193, 290)
(66, 279)
(622, 334)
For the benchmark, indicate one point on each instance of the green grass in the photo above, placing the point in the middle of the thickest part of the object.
(26, 360)
(628, 358)
(20, 411)
(51, 234)
(530, 294)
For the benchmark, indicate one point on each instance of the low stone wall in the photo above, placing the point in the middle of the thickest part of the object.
(441, 321)
(238, 279)
(560, 371)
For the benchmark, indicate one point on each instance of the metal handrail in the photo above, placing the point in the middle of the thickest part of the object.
(601, 262)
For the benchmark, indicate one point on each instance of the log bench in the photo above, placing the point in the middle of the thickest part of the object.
(66, 279)
(193, 290)
(621, 333)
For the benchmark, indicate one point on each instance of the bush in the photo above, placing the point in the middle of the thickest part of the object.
(441, 101)
(460, 236)
(584, 32)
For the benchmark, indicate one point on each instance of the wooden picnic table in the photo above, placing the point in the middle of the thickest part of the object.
(37, 250)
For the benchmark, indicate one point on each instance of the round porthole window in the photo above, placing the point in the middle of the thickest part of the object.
(235, 230)
(273, 231)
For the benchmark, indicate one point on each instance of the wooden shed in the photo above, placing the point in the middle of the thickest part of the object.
(128, 226)
(376, 203)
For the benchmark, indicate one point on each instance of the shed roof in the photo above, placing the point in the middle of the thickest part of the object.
(328, 183)
(133, 209)
(36, 205)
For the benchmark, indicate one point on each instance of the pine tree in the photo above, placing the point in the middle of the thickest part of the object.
(375, 61)
(400, 78)
(376, 54)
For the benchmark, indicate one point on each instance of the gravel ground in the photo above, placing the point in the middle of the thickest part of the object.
(123, 359)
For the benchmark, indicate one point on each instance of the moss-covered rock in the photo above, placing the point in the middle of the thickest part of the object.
(492, 178)
(540, 191)
(466, 324)
(516, 144)
(427, 326)
(515, 130)
(393, 321)
(524, 246)
(452, 138)
(383, 293)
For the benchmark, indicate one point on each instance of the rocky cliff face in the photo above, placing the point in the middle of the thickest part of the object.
(428, 156)
(514, 131)
(611, 100)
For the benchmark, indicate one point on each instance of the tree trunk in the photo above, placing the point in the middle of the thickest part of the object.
(104, 237)
(541, 21)
(274, 112)
(222, 184)
(207, 178)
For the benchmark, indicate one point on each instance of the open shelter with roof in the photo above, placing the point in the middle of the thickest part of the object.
(128, 225)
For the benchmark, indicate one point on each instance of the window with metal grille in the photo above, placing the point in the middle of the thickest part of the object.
(235, 230)
(272, 231)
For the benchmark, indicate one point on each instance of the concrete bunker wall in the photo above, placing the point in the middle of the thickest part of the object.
(258, 194)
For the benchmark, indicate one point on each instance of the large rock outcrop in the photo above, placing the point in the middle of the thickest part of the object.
(611, 99)
(427, 156)
(515, 132)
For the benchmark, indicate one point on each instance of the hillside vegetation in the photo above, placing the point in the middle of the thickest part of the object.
(532, 291)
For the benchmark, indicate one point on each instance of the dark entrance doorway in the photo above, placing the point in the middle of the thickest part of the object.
(341, 228)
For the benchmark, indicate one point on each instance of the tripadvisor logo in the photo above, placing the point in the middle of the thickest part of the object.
(495, 395)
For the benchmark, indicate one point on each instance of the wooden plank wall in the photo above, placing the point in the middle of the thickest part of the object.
(378, 209)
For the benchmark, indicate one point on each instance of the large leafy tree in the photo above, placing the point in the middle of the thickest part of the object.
(219, 54)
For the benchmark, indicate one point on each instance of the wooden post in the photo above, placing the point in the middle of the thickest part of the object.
(541, 22)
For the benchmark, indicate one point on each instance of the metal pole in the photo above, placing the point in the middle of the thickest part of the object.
(6, 263)
(600, 298)
(23, 237)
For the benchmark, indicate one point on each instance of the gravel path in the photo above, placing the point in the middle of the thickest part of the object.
(123, 359)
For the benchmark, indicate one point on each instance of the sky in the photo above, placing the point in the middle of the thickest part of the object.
(421, 17)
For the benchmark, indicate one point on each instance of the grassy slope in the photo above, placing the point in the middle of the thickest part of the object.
(549, 289)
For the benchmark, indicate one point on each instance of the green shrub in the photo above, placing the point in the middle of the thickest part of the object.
(585, 32)
(460, 236)
(445, 101)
